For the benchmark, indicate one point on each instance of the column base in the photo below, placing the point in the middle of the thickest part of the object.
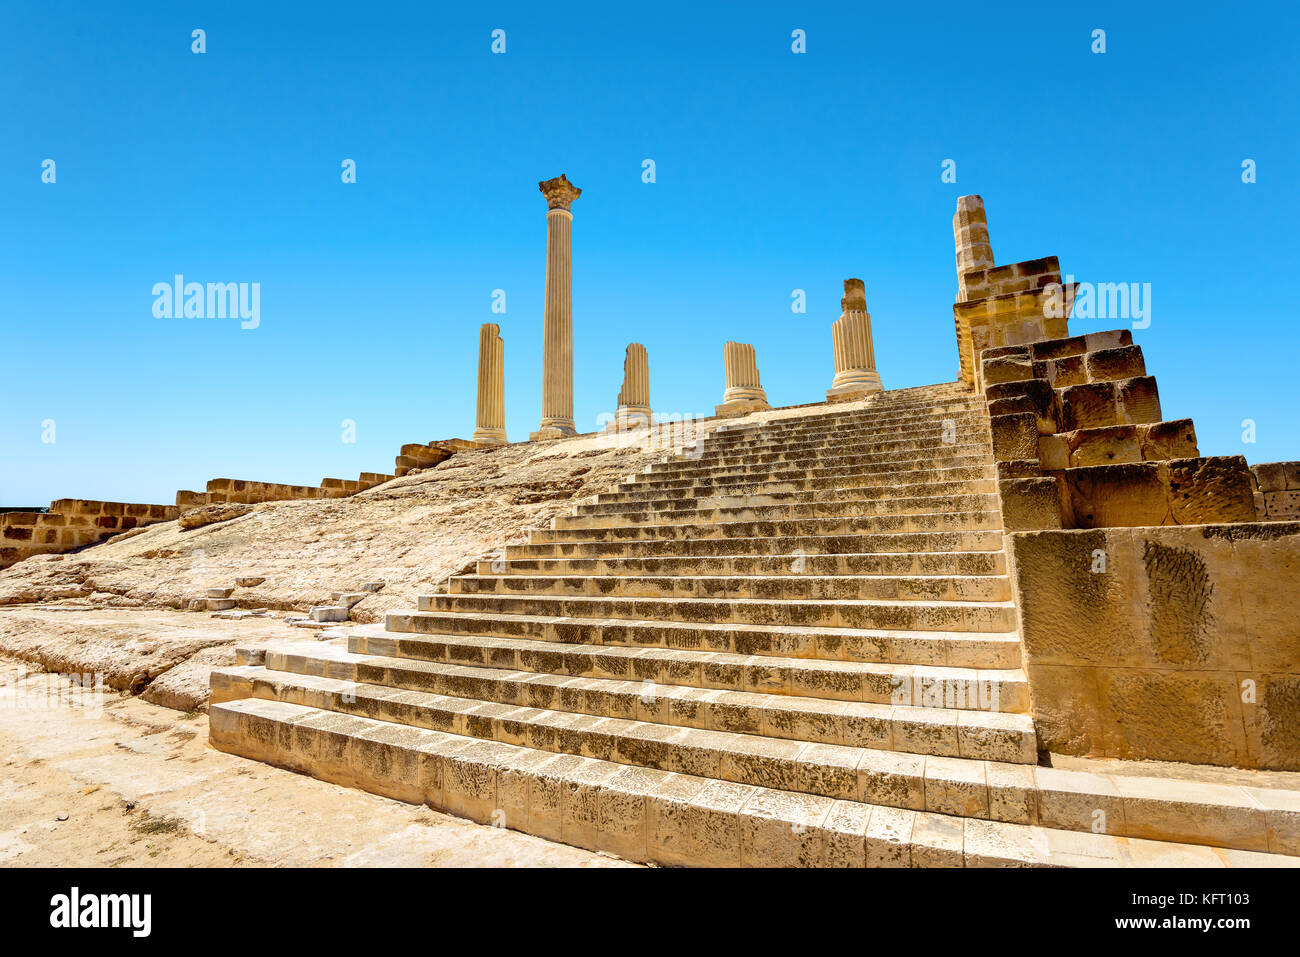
(553, 429)
(484, 438)
(859, 386)
(630, 417)
(740, 407)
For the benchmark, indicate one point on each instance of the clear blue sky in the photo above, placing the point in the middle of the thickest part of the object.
(775, 171)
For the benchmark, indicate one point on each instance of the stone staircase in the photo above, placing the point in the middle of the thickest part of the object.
(794, 643)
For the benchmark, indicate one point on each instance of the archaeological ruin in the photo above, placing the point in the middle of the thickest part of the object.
(1016, 619)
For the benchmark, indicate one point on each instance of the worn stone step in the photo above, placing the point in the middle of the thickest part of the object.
(971, 650)
(793, 546)
(983, 735)
(613, 516)
(841, 477)
(861, 419)
(780, 451)
(870, 775)
(841, 771)
(787, 586)
(784, 449)
(882, 563)
(671, 818)
(794, 482)
(771, 528)
(948, 455)
(979, 688)
(658, 502)
(776, 439)
(856, 613)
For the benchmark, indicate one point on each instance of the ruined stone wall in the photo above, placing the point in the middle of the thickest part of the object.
(71, 523)
(1080, 441)
(1170, 644)
(1277, 491)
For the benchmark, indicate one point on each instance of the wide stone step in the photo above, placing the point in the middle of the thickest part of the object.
(855, 613)
(864, 419)
(649, 499)
(978, 735)
(980, 688)
(798, 481)
(672, 818)
(792, 546)
(614, 517)
(795, 448)
(871, 775)
(668, 651)
(885, 563)
(787, 586)
(775, 528)
(875, 461)
(844, 475)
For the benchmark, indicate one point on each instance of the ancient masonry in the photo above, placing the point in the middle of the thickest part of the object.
(634, 398)
(864, 631)
(855, 356)
(490, 426)
(850, 634)
(557, 335)
(744, 393)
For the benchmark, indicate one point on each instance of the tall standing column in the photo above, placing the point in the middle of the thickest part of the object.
(855, 354)
(557, 323)
(491, 417)
(970, 233)
(634, 399)
(744, 392)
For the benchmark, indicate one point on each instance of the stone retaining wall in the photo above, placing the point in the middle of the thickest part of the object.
(1168, 643)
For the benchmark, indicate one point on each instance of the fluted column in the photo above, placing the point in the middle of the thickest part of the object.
(557, 322)
(634, 399)
(970, 233)
(491, 416)
(855, 355)
(744, 392)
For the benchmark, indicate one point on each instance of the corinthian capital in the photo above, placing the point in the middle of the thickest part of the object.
(559, 192)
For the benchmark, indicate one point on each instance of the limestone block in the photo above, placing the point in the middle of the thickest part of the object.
(1161, 441)
(1089, 406)
(1061, 372)
(1117, 495)
(1212, 489)
(1077, 345)
(1138, 399)
(1030, 503)
(1105, 446)
(210, 514)
(1270, 476)
(1038, 394)
(1124, 362)
(1053, 453)
(1019, 468)
(1014, 436)
(1005, 369)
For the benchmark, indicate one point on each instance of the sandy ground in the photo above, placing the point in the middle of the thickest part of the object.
(123, 782)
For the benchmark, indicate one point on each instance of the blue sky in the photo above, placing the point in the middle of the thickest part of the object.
(775, 171)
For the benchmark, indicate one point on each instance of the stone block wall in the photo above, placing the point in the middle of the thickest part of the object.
(71, 523)
(243, 492)
(1170, 644)
(417, 456)
(1008, 306)
(1277, 491)
(1081, 414)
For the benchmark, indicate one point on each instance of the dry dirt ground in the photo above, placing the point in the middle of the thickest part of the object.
(128, 783)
